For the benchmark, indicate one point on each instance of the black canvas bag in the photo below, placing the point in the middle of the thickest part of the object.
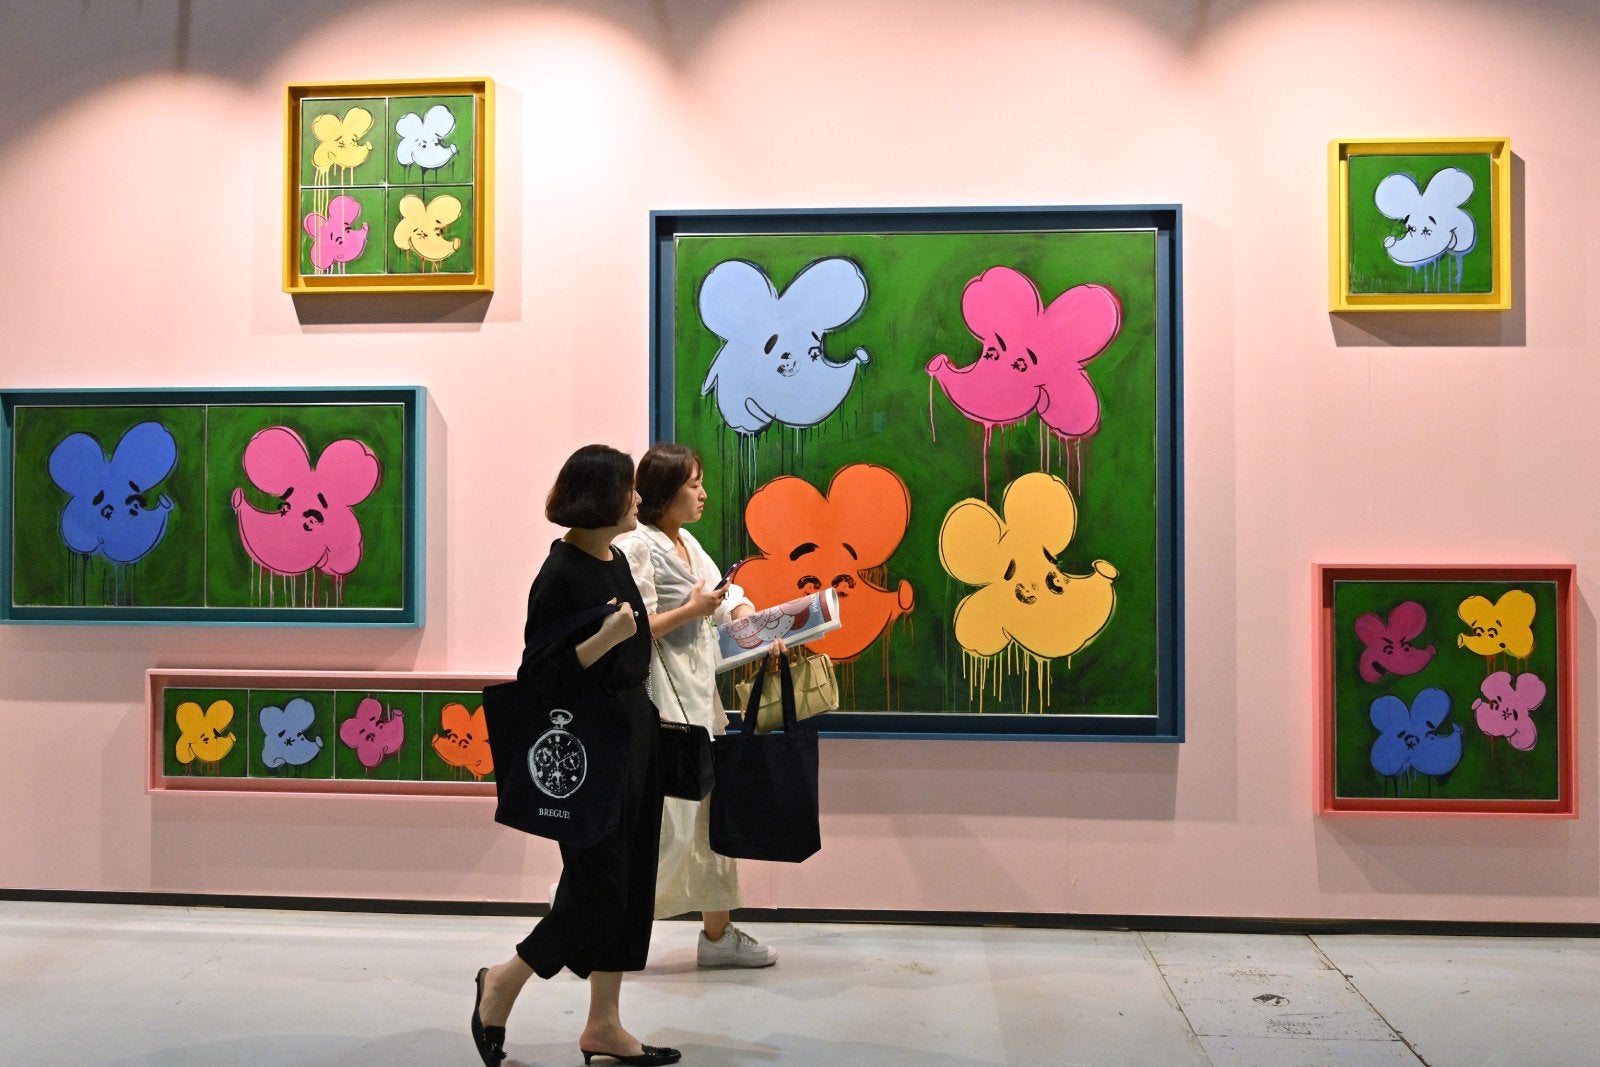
(765, 804)
(560, 750)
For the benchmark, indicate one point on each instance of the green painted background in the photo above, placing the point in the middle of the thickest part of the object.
(236, 764)
(380, 136)
(404, 765)
(435, 769)
(381, 182)
(45, 572)
(464, 136)
(374, 257)
(320, 765)
(1507, 774)
(403, 262)
(912, 313)
(1371, 269)
(378, 582)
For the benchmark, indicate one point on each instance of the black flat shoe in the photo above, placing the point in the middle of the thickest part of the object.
(491, 1040)
(652, 1056)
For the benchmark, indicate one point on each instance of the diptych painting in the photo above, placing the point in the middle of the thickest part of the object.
(268, 506)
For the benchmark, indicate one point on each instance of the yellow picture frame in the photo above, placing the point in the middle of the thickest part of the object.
(1388, 249)
(389, 186)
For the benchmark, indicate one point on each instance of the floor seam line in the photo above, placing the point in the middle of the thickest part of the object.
(1350, 983)
(1172, 997)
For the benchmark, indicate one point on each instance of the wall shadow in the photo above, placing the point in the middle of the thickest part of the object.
(280, 844)
(1474, 855)
(62, 52)
(1038, 779)
(459, 311)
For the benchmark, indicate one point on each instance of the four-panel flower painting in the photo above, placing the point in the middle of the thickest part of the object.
(966, 424)
(388, 186)
(1446, 689)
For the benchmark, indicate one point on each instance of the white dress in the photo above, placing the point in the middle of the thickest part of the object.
(690, 876)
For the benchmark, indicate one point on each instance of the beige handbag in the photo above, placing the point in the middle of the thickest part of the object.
(816, 690)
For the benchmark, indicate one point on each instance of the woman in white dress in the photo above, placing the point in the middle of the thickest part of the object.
(679, 584)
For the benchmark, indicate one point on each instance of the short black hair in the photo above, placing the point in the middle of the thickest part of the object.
(592, 490)
(662, 472)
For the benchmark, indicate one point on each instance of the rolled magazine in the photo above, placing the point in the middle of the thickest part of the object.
(796, 621)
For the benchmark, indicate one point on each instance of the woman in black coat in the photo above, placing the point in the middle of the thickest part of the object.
(599, 922)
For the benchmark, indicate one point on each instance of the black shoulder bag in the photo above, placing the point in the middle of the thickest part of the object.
(686, 768)
(560, 749)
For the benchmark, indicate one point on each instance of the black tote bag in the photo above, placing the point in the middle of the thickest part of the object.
(764, 806)
(559, 749)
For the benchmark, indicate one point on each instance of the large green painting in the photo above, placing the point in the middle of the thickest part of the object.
(967, 425)
(276, 506)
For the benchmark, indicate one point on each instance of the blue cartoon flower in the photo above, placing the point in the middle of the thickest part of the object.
(284, 730)
(113, 511)
(1415, 738)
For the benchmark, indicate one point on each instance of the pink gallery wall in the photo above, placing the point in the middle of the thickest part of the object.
(142, 182)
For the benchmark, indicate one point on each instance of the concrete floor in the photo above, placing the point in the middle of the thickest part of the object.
(125, 984)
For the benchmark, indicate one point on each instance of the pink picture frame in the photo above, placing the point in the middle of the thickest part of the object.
(1446, 690)
(320, 732)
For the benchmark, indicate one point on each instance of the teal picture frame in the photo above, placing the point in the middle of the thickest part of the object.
(178, 506)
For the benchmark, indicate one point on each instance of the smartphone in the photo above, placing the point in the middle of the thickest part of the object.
(727, 576)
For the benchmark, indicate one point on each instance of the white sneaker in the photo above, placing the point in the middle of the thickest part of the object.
(735, 949)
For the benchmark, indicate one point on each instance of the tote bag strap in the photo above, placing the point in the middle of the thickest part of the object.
(786, 692)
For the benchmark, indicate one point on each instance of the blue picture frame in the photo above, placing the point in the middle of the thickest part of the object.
(914, 263)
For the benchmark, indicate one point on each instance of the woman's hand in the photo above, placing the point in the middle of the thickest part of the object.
(618, 626)
(703, 601)
(615, 628)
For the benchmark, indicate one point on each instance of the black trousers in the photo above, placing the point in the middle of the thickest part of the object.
(606, 901)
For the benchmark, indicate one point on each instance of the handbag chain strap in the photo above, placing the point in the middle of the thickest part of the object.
(666, 670)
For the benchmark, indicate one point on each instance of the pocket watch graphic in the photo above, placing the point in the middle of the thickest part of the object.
(557, 761)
